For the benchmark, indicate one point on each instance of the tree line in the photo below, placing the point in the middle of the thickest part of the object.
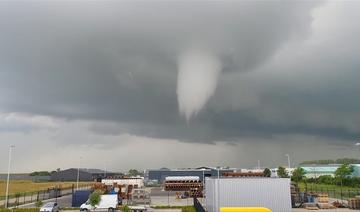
(330, 161)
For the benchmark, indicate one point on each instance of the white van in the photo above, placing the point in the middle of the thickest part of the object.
(108, 202)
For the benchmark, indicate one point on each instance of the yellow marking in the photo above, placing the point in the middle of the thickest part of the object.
(247, 209)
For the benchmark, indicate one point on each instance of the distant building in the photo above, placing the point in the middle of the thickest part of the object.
(289, 171)
(159, 175)
(356, 172)
(84, 175)
(15, 176)
(317, 170)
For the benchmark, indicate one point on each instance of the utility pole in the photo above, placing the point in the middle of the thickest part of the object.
(8, 177)
(288, 157)
(78, 175)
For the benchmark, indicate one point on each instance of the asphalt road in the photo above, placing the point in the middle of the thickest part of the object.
(64, 201)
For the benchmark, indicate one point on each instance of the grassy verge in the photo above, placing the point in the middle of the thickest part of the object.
(30, 187)
(183, 208)
(20, 210)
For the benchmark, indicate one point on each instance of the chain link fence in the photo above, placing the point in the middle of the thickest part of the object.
(36, 196)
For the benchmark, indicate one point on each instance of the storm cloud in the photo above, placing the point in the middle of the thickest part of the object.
(260, 71)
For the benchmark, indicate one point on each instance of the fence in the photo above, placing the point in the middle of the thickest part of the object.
(335, 192)
(198, 206)
(31, 197)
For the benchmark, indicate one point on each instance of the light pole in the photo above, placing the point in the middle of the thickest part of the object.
(288, 157)
(8, 177)
(78, 175)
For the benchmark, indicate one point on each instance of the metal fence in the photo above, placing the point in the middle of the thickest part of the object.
(198, 206)
(36, 196)
(335, 192)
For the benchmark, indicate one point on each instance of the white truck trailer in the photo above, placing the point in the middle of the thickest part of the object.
(108, 202)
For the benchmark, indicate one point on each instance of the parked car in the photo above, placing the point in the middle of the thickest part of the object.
(50, 207)
(108, 202)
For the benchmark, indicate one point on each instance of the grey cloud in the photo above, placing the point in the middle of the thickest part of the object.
(115, 63)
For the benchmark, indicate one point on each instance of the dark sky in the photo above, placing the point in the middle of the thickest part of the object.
(147, 84)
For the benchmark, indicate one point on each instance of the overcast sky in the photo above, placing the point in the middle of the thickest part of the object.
(151, 84)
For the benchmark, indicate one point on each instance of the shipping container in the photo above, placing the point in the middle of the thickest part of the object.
(79, 197)
(272, 193)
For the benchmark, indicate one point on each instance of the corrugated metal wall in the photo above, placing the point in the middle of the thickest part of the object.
(273, 193)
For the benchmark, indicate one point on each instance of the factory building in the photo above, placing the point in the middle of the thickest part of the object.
(84, 175)
(159, 175)
(317, 170)
(272, 193)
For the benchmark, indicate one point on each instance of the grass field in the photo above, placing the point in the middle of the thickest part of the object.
(334, 191)
(21, 186)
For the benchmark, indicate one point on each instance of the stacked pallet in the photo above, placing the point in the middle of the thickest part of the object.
(310, 206)
(354, 203)
(323, 201)
(194, 187)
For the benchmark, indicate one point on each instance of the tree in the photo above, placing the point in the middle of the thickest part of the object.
(267, 172)
(95, 198)
(344, 171)
(134, 173)
(126, 208)
(298, 175)
(282, 173)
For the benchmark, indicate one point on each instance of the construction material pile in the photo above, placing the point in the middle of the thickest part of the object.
(354, 203)
(191, 184)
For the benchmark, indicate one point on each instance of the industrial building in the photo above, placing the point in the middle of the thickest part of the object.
(159, 175)
(317, 170)
(135, 181)
(272, 193)
(84, 175)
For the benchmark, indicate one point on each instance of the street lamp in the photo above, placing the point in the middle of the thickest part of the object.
(289, 164)
(8, 177)
(78, 176)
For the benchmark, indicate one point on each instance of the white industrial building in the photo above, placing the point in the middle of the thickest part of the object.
(139, 181)
(272, 193)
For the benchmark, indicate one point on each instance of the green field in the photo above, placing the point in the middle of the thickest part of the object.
(334, 191)
(21, 186)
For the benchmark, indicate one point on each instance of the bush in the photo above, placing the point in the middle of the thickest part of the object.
(38, 203)
(188, 209)
(95, 197)
(126, 209)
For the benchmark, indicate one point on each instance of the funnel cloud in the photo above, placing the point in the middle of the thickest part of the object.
(198, 73)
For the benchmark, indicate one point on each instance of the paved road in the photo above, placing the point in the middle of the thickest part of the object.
(64, 201)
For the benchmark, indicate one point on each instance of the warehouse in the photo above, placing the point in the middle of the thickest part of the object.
(84, 175)
(272, 193)
(159, 175)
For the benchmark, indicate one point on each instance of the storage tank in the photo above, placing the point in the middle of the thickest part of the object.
(272, 193)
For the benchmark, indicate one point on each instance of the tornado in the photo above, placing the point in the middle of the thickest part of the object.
(198, 74)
